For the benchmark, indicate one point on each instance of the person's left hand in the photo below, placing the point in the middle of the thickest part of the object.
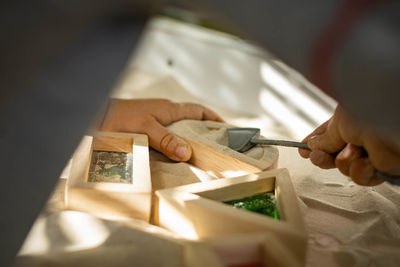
(149, 116)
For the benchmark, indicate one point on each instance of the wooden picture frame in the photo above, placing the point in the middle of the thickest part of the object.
(196, 211)
(109, 199)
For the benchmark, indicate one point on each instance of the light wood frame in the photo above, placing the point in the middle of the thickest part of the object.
(195, 211)
(111, 200)
(218, 163)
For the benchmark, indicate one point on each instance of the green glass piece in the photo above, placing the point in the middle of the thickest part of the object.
(264, 203)
(110, 167)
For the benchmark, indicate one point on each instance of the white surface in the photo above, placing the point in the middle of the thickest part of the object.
(227, 72)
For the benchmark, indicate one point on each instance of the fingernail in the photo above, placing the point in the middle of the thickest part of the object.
(313, 141)
(181, 151)
(345, 153)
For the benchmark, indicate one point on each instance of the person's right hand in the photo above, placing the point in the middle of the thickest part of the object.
(341, 142)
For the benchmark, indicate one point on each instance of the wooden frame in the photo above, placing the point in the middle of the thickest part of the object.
(218, 163)
(195, 211)
(111, 200)
(217, 158)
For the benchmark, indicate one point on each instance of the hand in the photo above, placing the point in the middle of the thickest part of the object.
(149, 116)
(355, 150)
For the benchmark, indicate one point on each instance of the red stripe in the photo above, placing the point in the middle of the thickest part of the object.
(332, 38)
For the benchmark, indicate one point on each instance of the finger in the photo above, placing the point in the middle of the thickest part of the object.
(347, 156)
(319, 130)
(330, 140)
(363, 173)
(305, 153)
(191, 111)
(322, 159)
(211, 115)
(174, 147)
(384, 155)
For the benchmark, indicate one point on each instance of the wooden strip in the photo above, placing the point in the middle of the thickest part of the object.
(112, 143)
(80, 162)
(216, 162)
(238, 191)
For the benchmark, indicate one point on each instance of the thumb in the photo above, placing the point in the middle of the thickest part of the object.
(171, 145)
(328, 139)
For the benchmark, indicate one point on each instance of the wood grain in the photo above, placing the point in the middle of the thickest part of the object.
(111, 199)
(216, 162)
(196, 211)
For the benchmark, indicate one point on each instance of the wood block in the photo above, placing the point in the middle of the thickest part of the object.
(196, 211)
(111, 199)
(216, 162)
(210, 151)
